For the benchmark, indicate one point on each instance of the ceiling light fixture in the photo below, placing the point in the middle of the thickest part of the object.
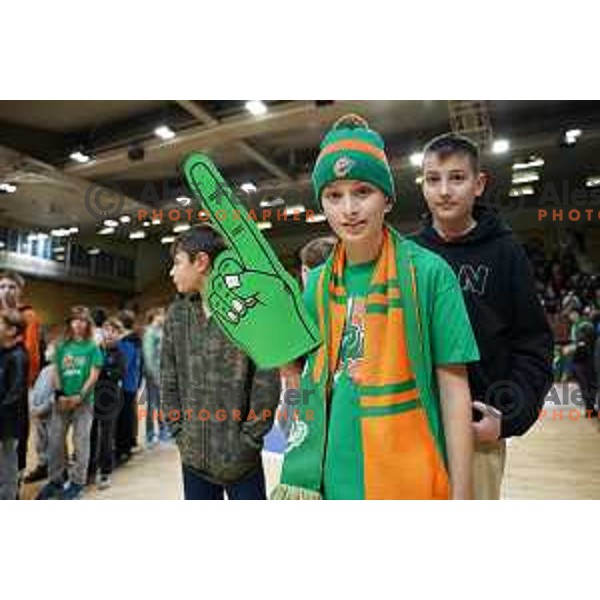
(592, 182)
(272, 203)
(524, 190)
(256, 107)
(80, 157)
(571, 137)
(525, 177)
(500, 146)
(534, 162)
(416, 159)
(9, 188)
(164, 132)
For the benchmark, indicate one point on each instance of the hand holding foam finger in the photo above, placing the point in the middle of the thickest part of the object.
(258, 311)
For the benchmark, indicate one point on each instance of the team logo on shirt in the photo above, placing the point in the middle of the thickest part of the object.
(343, 166)
(68, 362)
(298, 433)
(71, 365)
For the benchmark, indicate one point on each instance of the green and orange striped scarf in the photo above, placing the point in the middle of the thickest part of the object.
(403, 448)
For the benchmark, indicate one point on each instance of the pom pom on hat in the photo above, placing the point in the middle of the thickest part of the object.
(350, 121)
(352, 150)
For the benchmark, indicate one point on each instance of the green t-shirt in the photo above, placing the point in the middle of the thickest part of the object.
(343, 474)
(446, 331)
(74, 361)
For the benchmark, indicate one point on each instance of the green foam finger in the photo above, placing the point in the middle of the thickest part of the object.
(218, 305)
(254, 299)
(225, 282)
(229, 268)
(227, 213)
(232, 301)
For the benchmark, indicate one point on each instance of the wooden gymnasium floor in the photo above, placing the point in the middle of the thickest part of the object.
(557, 459)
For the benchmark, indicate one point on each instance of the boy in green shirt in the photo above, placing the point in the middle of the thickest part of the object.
(77, 362)
(385, 411)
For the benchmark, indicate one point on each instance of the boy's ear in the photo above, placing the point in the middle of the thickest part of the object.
(482, 181)
(388, 205)
(202, 263)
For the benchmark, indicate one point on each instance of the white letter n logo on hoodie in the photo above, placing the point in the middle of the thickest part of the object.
(472, 280)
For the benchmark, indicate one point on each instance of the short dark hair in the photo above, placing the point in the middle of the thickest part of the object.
(127, 318)
(99, 316)
(14, 318)
(317, 251)
(201, 238)
(13, 276)
(448, 144)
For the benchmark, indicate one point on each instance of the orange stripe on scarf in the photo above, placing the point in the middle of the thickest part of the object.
(400, 457)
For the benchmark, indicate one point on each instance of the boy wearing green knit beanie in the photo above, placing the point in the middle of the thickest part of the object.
(386, 407)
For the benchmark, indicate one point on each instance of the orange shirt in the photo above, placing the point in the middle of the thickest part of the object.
(31, 341)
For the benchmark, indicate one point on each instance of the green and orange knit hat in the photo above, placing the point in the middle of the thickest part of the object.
(352, 150)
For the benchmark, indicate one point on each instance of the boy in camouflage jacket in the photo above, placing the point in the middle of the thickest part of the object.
(218, 405)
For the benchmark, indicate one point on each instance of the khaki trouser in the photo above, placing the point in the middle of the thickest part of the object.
(81, 420)
(488, 468)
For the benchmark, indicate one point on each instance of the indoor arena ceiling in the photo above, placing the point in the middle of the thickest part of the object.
(274, 150)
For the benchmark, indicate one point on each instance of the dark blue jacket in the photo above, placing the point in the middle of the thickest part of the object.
(131, 347)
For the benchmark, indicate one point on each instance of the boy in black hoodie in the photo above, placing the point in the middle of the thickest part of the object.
(14, 365)
(515, 342)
